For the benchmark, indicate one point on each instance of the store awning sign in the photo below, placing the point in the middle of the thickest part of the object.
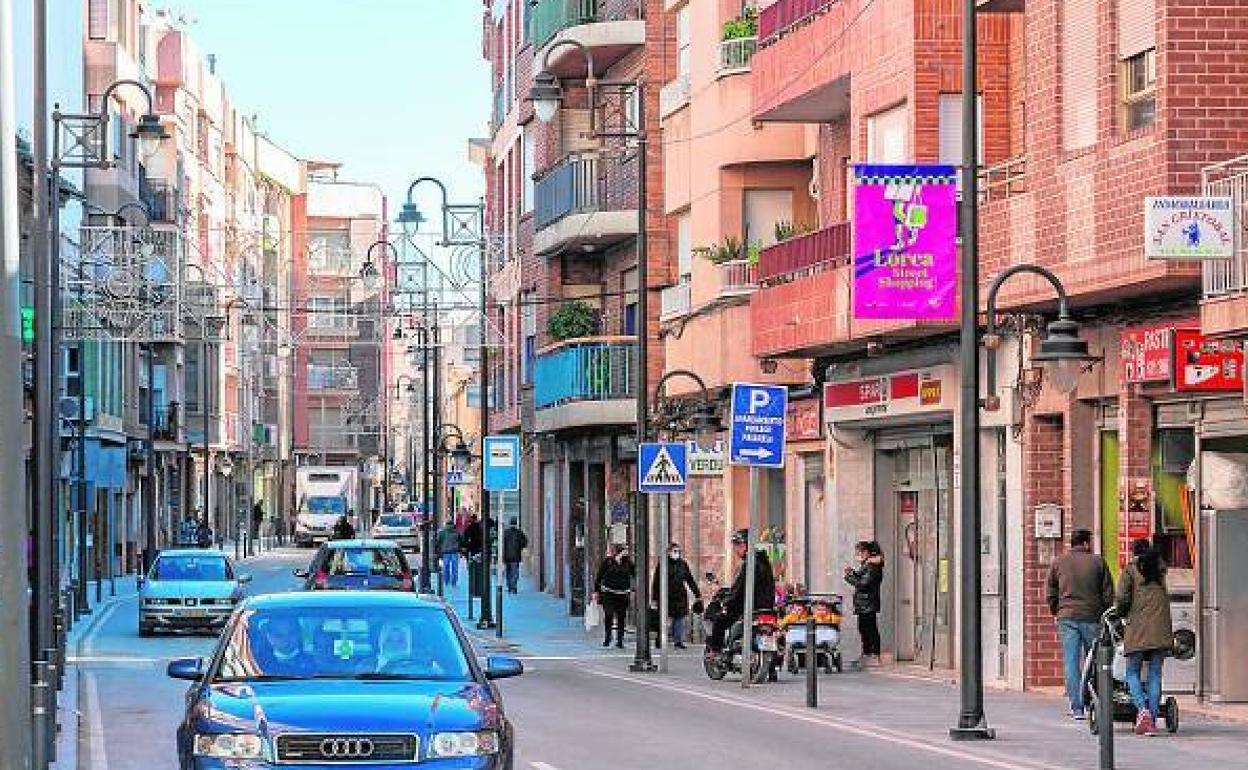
(905, 242)
(890, 395)
(1189, 227)
(1146, 354)
(1205, 365)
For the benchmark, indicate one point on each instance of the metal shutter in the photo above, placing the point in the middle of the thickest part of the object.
(1137, 27)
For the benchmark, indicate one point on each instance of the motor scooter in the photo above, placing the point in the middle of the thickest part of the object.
(764, 657)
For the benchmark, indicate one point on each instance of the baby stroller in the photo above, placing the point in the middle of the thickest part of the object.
(1118, 706)
(827, 612)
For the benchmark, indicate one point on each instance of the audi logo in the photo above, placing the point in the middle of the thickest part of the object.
(346, 748)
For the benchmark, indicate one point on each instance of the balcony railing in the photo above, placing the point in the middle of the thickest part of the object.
(331, 262)
(570, 187)
(735, 55)
(676, 301)
(331, 377)
(552, 16)
(783, 15)
(829, 247)
(738, 276)
(674, 95)
(1229, 179)
(585, 370)
(160, 199)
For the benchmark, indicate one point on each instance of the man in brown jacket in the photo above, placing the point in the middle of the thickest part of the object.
(1079, 591)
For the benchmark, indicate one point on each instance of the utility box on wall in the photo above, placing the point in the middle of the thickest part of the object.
(1048, 522)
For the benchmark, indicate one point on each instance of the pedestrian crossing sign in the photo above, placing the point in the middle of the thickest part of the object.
(662, 468)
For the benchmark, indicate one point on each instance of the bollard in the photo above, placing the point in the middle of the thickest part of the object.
(812, 658)
(1105, 702)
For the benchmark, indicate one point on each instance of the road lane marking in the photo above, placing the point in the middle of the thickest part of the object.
(87, 643)
(95, 727)
(542, 766)
(92, 659)
(864, 730)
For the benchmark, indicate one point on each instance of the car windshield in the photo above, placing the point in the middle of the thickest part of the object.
(384, 643)
(365, 561)
(191, 568)
(396, 520)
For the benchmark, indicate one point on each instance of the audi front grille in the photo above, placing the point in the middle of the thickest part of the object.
(347, 748)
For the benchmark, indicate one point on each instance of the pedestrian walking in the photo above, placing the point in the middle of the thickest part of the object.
(203, 535)
(680, 583)
(257, 520)
(343, 530)
(514, 543)
(1080, 589)
(449, 544)
(1144, 602)
(866, 579)
(613, 589)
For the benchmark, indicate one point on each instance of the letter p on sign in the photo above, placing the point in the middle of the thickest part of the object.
(759, 399)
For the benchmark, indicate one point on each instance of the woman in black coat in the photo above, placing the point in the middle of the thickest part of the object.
(866, 579)
(680, 582)
(613, 589)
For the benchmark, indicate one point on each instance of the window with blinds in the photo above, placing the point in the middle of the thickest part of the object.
(887, 135)
(1137, 57)
(97, 19)
(684, 246)
(949, 128)
(1078, 74)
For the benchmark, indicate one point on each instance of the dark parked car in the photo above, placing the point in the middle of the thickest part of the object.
(344, 678)
(360, 565)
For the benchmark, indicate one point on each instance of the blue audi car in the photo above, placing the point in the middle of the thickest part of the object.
(361, 679)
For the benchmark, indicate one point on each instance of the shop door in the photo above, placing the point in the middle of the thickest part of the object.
(919, 503)
(550, 492)
(577, 520)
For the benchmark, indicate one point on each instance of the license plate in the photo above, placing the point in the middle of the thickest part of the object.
(194, 613)
(767, 643)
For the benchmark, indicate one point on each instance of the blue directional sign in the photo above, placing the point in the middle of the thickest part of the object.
(662, 468)
(501, 464)
(757, 434)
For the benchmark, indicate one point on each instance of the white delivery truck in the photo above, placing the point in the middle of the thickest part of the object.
(323, 494)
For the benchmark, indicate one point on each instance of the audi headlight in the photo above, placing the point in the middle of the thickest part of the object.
(230, 746)
(475, 744)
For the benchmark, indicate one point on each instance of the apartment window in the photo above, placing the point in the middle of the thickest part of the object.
(528, 334)
(529, 166)
(949, 118)
(1139, 98)
(684, 246)
(683, 42)
(763, 210)
(328, 313)
(97, 19)
(887, 136)
(1079, 68)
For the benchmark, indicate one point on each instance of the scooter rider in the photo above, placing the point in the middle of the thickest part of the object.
(734, 607)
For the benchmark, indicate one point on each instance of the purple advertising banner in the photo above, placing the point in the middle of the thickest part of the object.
(905, 242)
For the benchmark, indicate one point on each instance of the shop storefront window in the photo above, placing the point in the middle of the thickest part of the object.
(1173, 452)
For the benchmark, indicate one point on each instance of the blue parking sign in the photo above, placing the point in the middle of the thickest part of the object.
(758, 422)
(501, 464)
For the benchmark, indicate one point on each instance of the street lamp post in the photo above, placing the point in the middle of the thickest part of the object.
(88, 150)
(547, 95)
(464, 225)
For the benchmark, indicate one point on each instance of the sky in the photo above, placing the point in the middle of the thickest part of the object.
(393, 89)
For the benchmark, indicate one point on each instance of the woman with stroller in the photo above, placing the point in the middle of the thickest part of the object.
(1144, 603)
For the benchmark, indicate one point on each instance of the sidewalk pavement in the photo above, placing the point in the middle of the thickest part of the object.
(537, 626)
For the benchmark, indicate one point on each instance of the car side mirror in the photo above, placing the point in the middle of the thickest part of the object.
(301, 573)
(244, 579)
(190, 669)
(502, 667)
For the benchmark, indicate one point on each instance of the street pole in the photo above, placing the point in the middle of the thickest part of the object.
(1104, 712)
(426, 467)
(972, 722)
(203, 397)
(695, 542)
(641, 660)
(149, 499)
(15, 653)
(436, 455)
(747, 616)
(665, 513)
(486, 620)
(498, 561)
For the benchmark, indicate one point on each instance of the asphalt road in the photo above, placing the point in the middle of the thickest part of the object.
(579, 709)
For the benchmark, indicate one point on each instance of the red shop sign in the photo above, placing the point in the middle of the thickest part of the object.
(804, 423)
(1146, 354)
(1206, 365)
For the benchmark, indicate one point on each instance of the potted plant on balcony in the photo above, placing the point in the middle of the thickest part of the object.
(745, 26)
(731, 250)
(572, 320)
(786, 230)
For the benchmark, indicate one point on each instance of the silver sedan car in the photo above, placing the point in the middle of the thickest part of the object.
(188, 589)
(400, 528)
